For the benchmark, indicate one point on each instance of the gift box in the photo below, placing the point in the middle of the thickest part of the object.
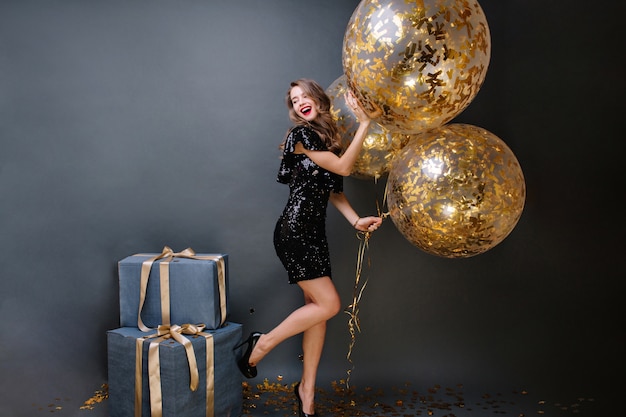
(151, 375)
(171, 287)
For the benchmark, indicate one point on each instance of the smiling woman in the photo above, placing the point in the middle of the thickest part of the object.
(314, 174)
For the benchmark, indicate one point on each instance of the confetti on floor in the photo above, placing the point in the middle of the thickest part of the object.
(277, 399)
(99, 396)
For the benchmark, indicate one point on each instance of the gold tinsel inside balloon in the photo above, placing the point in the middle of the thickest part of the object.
(422, 62)
(455, 191)
(379, 146)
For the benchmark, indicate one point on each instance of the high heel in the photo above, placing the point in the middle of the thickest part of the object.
(296, 390)
(246, 369)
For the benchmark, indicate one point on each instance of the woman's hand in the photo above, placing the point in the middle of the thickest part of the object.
(357, 108)
(368, 224)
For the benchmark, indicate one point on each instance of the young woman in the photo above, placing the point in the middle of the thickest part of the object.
(313, 165)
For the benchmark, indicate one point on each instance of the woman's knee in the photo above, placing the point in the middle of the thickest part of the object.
(332, 301)
(334, 306)
(323, 293)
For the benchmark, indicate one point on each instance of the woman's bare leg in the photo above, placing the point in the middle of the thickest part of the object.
(322, 303)
(312, 345)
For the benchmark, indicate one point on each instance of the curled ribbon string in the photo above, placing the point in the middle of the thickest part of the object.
(354, 324)
(168, 254)
(353, 309)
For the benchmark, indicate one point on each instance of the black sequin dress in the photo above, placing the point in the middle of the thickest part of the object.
(300, 233)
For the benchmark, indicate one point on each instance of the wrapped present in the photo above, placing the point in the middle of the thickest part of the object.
(173, 287)
(174, 371)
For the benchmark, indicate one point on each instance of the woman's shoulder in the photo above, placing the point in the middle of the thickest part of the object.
(301, 130)
(305, 134)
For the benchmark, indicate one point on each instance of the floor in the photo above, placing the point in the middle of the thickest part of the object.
(276, 399)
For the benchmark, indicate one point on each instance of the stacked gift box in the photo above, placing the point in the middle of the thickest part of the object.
(174, 354)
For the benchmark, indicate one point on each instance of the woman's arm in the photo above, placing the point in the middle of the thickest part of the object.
(342, 165)
(364, 224)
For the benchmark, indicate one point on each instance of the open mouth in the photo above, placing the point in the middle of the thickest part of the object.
(306, 110)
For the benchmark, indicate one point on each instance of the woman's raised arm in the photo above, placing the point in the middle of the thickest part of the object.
(342, 165)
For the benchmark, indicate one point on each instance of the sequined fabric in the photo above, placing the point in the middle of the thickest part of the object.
(300, 233)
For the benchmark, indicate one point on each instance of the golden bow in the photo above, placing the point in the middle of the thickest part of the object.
(175, 332)
(168, 254)
(166, 331)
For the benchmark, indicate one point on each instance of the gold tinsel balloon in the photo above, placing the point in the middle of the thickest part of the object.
(421, 61)
(379, 146)
(455, 191)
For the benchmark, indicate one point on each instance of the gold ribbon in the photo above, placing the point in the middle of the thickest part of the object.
(354, 323)
(167, 255)
(352, 310)
(175, 332)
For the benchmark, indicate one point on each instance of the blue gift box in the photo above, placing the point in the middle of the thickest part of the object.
(178, 400)
(196, 290)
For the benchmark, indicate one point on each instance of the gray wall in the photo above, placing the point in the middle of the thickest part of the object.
(129, 125)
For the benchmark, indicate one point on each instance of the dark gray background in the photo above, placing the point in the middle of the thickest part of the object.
(129, 125)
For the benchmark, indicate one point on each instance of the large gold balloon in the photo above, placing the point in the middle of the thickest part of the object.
(421, 61)
(455, 191)
(379, 146)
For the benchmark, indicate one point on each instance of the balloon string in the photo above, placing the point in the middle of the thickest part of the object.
(383, 215)
(354, 324)
(352, 310)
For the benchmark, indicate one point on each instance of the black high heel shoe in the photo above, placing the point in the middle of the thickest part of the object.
(296, 390)
(244, 363)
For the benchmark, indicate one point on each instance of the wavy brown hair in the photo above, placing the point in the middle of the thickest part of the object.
(324, 124)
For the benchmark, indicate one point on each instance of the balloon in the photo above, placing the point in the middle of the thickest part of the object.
(455, 191)
(421, 61)
(379, 145)
(345, 119)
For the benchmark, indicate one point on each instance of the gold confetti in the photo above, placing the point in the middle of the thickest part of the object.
(268, 398)
(99, 396)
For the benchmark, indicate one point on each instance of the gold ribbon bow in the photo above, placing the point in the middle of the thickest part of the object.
(164, 275)
(175, 332)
